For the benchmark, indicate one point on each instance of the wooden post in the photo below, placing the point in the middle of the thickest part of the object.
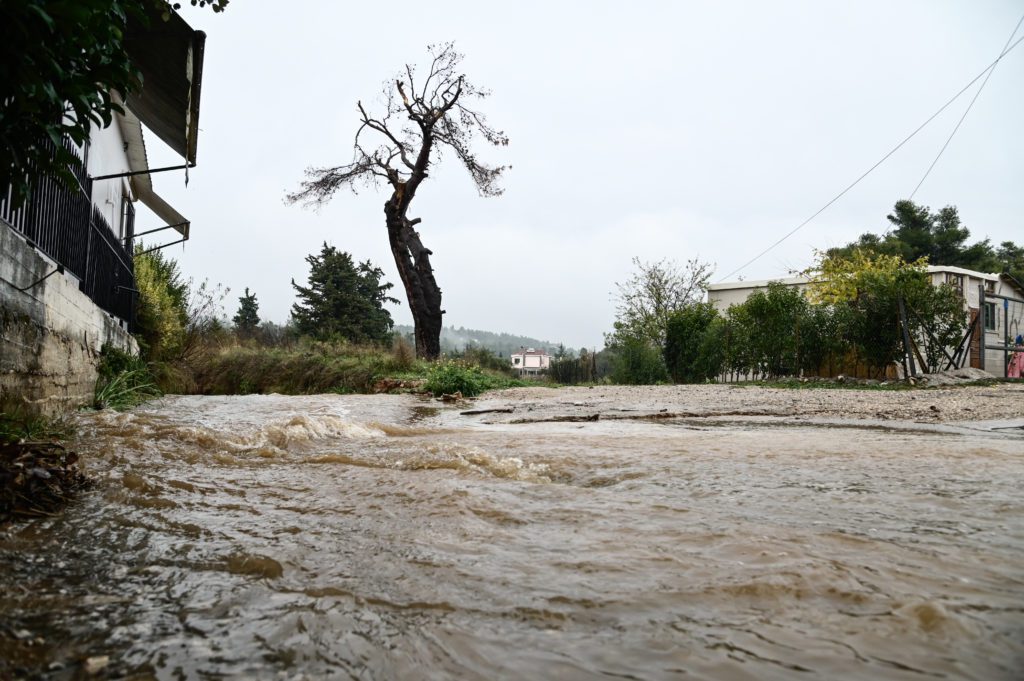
(1006, 338)
(981, 329)
(907, 351)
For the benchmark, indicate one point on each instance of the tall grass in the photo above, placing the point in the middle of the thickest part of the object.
(304, 368)
(125, 390)
(124, 381)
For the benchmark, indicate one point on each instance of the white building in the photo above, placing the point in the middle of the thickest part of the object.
(999, 296)
(530, 362)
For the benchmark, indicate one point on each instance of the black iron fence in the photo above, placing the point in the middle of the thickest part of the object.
(66, 226)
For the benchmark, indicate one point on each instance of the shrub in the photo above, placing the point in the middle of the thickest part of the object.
(638, 362)
(691, 355)
(124, 381)
(454, 376)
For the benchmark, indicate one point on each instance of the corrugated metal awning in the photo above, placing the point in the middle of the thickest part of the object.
(142, 184)
(169, 54)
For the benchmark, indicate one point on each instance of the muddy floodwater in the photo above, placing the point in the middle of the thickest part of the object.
(392, 537)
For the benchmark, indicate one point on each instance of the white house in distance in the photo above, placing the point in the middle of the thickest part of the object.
(530, 362)
(999, 295)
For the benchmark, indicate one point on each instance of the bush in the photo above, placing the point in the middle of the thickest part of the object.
(124, 381)
(454, 376)
(638, 362)
(692, 350)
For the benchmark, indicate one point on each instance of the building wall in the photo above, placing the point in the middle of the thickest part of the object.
(106, 156)
(530, 362)
(724, 295)
(1011, 316)
(50, 335)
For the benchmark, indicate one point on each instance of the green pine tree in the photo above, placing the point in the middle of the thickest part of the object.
(247, 318)
(343, 299)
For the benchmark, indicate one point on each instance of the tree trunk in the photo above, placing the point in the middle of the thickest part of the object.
(421, 290)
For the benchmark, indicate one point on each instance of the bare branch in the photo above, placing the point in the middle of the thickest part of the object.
(440, 115)
(380, 127)
(322, 183)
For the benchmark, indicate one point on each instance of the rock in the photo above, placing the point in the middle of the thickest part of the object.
(94, 665)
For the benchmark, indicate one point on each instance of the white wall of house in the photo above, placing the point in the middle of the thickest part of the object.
(530, 361)
(997, 318)
(107, 156)
(735, 292)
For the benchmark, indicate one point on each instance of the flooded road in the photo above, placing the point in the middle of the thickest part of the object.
(386, 537)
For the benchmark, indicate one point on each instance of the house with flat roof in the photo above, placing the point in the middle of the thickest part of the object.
(530, 362)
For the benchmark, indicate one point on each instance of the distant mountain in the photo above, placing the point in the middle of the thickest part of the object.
(503, 344)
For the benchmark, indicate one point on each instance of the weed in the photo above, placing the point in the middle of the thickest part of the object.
(125, 390)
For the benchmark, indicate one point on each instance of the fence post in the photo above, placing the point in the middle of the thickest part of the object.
(907, 350)
(981, 330)
(1006, 338)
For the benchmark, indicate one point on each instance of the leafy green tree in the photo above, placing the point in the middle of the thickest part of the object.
(865, 289)
(690, 356)
(172, 314)
(343, 299)
(653, 293)
(638, 362)
(1011, 258)
(60, 62)
(247, 318)
(940, 236)
(774, 318)
(161, 307)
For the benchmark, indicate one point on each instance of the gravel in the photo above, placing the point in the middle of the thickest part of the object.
(1001, 401)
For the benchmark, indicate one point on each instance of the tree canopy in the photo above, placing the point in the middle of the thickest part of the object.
(653, 293)
(421, 117)
(61, 61)
(343, 299)
(919, 232)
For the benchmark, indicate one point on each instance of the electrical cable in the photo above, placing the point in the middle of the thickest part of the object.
(967, 111)
(872, 168)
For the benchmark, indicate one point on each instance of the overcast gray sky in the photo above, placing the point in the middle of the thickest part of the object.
(649, 129)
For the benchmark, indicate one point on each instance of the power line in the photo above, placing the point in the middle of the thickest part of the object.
(872, 168)
(967, 111)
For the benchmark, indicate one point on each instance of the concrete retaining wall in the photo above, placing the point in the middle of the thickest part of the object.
(50, 334)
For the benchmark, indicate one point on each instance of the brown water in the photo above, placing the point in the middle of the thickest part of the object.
(378, 537)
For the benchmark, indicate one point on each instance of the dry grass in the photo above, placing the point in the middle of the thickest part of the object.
(304, 368)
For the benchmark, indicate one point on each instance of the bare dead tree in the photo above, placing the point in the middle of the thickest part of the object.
(421, 119)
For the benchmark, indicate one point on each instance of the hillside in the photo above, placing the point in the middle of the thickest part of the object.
(503, 344)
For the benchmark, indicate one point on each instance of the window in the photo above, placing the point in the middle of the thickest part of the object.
(956, 281)
(990, 316)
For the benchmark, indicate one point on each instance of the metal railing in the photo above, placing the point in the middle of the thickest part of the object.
(66, 226)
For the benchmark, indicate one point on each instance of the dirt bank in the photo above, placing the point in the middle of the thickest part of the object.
(1004, 401)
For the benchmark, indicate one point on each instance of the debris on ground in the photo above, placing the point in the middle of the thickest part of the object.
(37, 478)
